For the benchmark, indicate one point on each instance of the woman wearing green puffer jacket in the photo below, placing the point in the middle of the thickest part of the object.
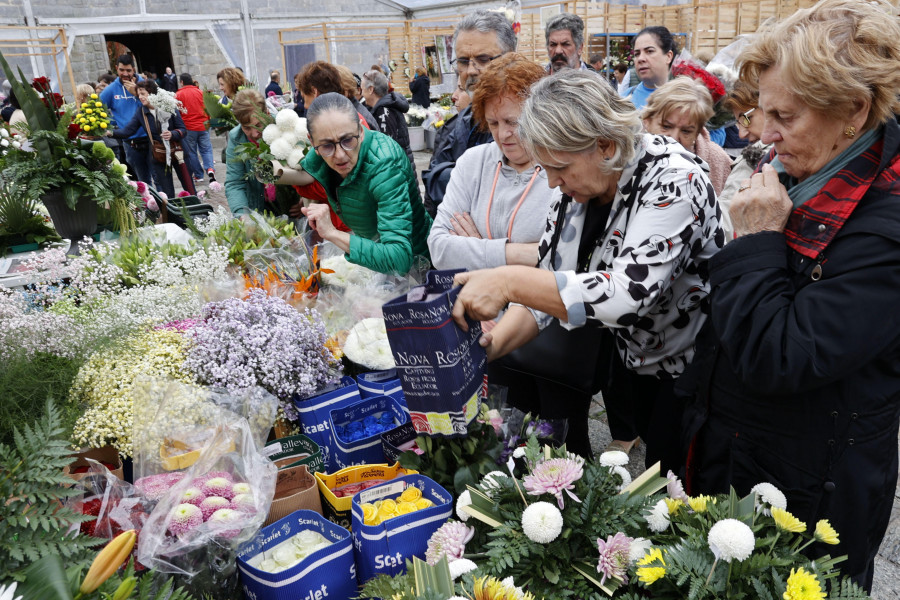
(370, 186)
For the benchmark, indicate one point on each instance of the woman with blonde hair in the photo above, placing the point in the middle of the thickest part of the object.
(801, 389)
(83, 91)
(621, 285)
(680, 109)
(230, 81)
(244, 194)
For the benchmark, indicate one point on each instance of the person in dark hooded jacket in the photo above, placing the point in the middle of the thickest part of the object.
(388, 109)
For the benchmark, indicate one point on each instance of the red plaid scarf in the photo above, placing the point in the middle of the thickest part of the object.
(813, 225)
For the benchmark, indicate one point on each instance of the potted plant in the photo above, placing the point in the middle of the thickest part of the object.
(414, 118)
(81, 184)
(22, 226)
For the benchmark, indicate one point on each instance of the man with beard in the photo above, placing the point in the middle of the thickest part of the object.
(120, 96)
(479, 39)
(564, 35)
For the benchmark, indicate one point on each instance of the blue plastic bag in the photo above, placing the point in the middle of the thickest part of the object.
(315, 417)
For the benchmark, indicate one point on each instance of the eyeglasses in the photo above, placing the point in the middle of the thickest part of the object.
(481, 62)
(348, 143)
(744, 118)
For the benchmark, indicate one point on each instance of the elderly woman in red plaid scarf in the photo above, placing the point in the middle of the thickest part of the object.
(800, 381)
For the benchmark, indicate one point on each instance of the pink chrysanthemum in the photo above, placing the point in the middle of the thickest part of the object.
(212, 474)
(218, 486)
(674, 488)
(450, 541)
(212, 504)
(154, 487)
(555, 476)
(141, 187)
(614, 557)
(224, 517)
(193, 495)
(215, 186)
(184, 518)
(243, 503)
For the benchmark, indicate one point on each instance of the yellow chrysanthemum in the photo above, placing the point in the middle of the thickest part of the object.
(98, 104)
(84, 105)
(490, 588)
(785, 521)
(89, 110)
(698, 503)
(826, 533)
(102, 115)
(673, 505)
(104, 124)
(94, 96)
(648, 575)
(87, 127)
(802, 585)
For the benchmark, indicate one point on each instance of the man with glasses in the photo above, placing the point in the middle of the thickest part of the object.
(479, 39)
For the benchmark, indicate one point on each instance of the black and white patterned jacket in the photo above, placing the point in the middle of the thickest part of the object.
(648, 279)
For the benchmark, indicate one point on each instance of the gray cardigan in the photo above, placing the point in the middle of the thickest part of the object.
(469, 191)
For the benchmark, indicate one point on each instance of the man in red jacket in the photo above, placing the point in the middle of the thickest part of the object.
(197, 138)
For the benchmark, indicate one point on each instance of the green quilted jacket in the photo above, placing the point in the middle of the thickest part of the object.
(379, 200)
(243, 195)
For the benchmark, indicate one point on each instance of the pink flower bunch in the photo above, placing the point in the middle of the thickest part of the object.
(555, 476)
(215, 186)
(180, 326)
(184, 518)
(614, 557)
(154, 487)
(183, 194)
(449, 540)
(213, 503)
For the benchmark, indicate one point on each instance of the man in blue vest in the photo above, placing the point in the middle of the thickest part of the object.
(120, 97)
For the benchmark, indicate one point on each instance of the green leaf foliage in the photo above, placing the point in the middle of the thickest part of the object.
(33, 521)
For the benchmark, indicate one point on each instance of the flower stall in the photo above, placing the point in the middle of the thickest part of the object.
(270, 423)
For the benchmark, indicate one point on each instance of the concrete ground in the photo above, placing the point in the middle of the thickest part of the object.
(887, 565)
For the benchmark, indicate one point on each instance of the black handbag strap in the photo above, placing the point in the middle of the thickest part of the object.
(564, 206)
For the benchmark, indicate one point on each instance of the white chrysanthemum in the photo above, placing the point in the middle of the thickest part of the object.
(465, 499)
(286, 120)
(624, 474)
(300, 129)
(281, 148)
(519, 452)
(290, 137)
(542, 522)
(460, 567)
(638, 549)
(614, 458)
(271, 133)
(731, 539)
(489, 482)
(510, 585)
(658, 517)
(294, 158)
(768, 494)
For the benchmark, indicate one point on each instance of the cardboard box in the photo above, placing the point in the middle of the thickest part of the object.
(106, 454)
(295, 489)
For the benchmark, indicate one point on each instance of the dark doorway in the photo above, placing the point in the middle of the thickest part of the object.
(151, 51)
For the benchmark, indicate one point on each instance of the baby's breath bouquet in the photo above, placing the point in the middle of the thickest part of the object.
(262, 341)
(730, 547)
(105, 385)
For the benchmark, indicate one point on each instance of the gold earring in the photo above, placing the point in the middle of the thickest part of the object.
(850, 131)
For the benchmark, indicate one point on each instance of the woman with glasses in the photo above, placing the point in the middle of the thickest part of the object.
(370, 185)
(743, 102)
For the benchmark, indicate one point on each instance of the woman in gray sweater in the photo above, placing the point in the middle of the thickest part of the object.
(497, 202)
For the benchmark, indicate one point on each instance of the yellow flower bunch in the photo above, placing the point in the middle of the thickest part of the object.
(825, 533)
(93, 116)
(106, 382)
(647, 574)
(802, 585)
(673, 504)
(409, 501)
